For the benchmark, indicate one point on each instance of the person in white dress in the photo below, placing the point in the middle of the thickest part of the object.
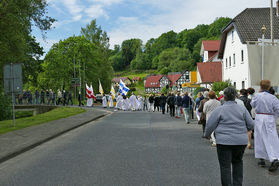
(265, 134)
(104, 101)
(110, 101)
(140, 99)
(133, 101)
(126, 103)
(119, 101)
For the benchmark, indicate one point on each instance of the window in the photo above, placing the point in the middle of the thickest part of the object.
(230, 61)
(234, 60)
(242, 56)
(243, 84)
(234, 84)
(233, 36)
(187, 75)
(226, 62)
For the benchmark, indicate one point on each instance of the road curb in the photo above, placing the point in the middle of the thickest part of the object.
(35, 144)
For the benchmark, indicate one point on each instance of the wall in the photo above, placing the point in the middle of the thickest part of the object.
(240, 71)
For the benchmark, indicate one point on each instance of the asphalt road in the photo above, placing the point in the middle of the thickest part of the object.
(127, 148)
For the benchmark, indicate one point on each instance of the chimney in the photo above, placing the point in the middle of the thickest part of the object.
(277, 8)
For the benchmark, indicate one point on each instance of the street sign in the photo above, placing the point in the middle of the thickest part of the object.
(75, 82)
(13, 78)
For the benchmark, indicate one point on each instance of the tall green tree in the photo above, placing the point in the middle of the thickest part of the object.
(175, 60)
(16, 21)
(129, 49)
(74, 57)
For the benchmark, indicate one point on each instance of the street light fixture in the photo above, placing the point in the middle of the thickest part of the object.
(263, 32)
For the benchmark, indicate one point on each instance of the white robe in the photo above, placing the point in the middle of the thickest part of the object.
(126, 104)
(133, 101)
(110, 102)
(89, 102)
(119, 102)
(104, 101)
(140, 103)
(266, 137)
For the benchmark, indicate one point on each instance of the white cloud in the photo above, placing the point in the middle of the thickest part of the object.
(96, 11)
(108, 2)
(176, 15)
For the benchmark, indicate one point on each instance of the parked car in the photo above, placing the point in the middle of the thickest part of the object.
(98, 98)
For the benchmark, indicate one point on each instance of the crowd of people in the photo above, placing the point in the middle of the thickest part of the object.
(229, 120)
(48, 97)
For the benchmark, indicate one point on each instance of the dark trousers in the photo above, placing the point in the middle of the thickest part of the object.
(172, 111)
(231, 164)
(163, 108)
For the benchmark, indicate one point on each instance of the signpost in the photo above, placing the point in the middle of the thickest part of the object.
(13, 82)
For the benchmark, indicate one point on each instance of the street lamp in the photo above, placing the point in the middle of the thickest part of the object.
(263, 32)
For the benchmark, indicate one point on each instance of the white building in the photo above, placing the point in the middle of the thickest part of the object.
(236, 41)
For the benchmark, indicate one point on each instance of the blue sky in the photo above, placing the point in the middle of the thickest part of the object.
(144, 19)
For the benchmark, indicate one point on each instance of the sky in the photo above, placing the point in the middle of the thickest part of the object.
(143, 19)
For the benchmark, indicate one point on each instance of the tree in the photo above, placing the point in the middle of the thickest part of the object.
(95, 35)
(219, 86)
(75, 53)
(215, 29)
(175, 60)
(129, 50)
(16, 21)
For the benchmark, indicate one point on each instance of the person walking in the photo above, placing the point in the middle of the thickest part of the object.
(157, 103)
(151, 103)
(47, 97)
(163, 101)
(104, 102)
(145, 102)
(42, 97)
(37, 97)
(24, 97)
(231, 122)
(70, 98)
(59, 96)
(178, 102)
(171, 102)
(198, 100)
(192, 106)
(64, 97)
(29, 97)
(247, 103)
(79, 98)
(208, 108)
(203, 116)
(265, 133)
(186, 102)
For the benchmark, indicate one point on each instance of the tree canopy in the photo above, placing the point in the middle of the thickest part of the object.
(169, 52)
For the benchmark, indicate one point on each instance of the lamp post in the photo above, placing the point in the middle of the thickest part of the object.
(263, 32)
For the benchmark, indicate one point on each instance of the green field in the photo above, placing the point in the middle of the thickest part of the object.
(55, 114)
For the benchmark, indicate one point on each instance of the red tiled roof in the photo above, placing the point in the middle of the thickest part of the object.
(153, 81)
(117, 79)
(173, 78)
(211, 45)
(210, 71)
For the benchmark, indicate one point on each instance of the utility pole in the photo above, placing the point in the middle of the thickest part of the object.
(271, 22)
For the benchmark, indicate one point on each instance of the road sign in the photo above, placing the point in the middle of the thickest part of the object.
(13, 78)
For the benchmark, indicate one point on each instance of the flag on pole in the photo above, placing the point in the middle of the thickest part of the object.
(101, 88)
(88, 92)
(112, 91)
(92, 93)
(123, 89)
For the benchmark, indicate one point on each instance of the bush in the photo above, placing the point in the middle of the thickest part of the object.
(219, 86)
(5, 107)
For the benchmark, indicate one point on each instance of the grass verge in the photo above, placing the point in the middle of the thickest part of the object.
(55, 114)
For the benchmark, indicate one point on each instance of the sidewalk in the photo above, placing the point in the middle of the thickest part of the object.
(16, 142)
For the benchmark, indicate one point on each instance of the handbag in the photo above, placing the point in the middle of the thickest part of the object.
(202, 120)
